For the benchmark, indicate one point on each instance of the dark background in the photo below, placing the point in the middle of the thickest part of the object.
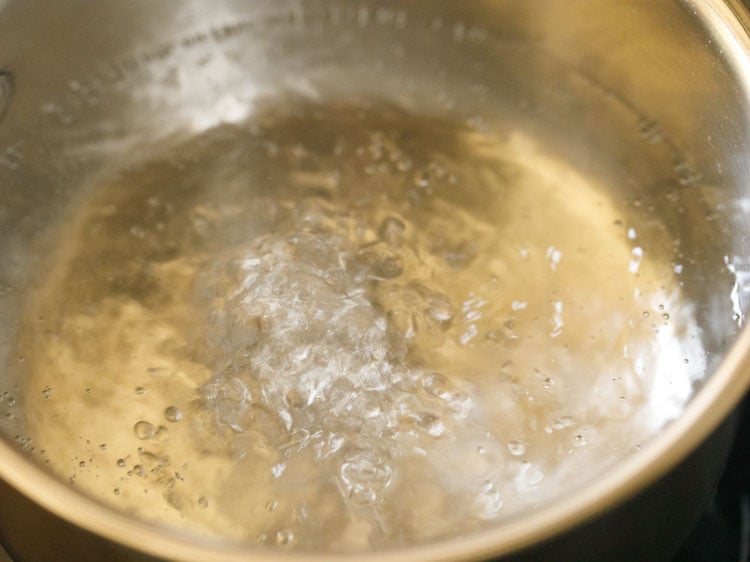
(723, 532)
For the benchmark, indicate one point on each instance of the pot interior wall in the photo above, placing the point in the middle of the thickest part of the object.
(634, 97)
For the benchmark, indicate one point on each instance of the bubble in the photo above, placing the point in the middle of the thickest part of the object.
(82, 464)
(554, 256)
(389, 267)
(230, 398)
(563, 422)
(365, 477)
(421, 178)
(441, 308)
(144, 430)
(516, 448)
(489, 499)
(508, 329)
(459, 255)
(529, 475)
(284, 537)
(391, 231)
(121, 462)
(650, 131)
(294, 398)
(138, 470)
(438, 385)
(299, 438)
(116, 491)
(47, 392)
(432, 424)
(404, 165)
(579, 440)
(173, 414)
(687, 174)
(379, 262)
(140, 390)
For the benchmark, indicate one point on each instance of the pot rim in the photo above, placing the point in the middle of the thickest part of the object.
(729, 23)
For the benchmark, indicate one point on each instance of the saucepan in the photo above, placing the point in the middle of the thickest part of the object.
(372, 279)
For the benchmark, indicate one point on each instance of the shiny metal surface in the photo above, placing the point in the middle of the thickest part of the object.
(674, 70)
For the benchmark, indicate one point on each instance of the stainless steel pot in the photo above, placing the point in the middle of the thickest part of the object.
(662, 88)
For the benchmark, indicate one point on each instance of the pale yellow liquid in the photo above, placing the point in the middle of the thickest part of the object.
(344, 327)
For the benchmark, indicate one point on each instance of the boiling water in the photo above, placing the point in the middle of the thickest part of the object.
(344, 327)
